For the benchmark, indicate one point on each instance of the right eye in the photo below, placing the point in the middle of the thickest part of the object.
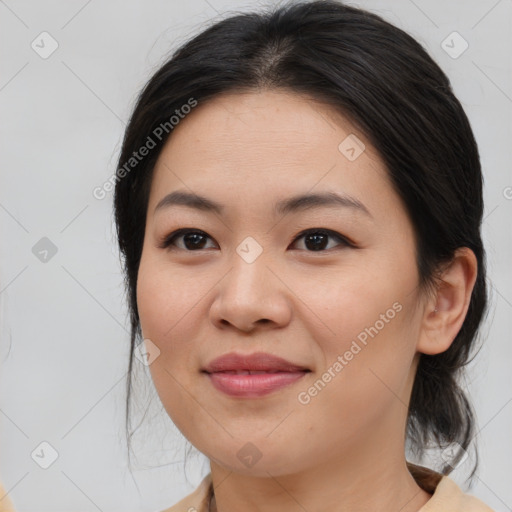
(192, 240)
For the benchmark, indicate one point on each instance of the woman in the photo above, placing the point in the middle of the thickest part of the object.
(298, 205)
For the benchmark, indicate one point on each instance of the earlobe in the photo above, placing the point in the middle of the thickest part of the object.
(445, 312)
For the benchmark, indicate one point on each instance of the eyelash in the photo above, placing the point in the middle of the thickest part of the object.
(168, 240)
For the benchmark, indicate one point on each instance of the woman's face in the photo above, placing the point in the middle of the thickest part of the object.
(344, 305)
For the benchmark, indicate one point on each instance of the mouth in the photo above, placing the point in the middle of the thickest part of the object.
(253, 375)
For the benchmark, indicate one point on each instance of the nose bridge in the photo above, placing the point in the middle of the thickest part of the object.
(249, 250)
(249, 272)
(250, 292)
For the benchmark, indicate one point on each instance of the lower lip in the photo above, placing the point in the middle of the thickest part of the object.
(245, 385)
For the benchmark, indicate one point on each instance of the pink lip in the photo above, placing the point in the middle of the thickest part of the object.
(225, 373)
(253, 385)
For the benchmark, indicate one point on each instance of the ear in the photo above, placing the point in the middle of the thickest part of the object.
(446, 309)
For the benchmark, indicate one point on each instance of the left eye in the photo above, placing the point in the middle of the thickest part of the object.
(315, 240)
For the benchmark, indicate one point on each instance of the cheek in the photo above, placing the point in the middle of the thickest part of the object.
(163, 317)
(166, 299)
(159, 311)
(169, 304)
(372, 333)
(363, 383)
(357, 300)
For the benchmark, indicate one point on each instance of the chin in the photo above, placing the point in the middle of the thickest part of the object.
(254, 459)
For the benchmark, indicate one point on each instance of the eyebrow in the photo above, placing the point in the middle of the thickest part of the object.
(293, 204)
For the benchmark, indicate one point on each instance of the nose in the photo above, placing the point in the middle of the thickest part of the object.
(251, 296)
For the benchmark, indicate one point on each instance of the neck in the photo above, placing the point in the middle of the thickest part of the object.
(381, 486)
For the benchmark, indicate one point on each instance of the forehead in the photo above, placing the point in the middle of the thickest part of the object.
(270, 117)
(249, 146)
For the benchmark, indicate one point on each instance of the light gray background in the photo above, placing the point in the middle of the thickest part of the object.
(64, 334)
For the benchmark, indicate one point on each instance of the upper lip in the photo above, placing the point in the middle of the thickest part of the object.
(259, 361)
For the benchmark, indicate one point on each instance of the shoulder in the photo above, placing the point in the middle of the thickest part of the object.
(197, 501)
(447, 496)
(5, 502)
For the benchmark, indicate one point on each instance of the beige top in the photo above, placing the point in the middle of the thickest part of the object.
(5, 502)
(446, 494)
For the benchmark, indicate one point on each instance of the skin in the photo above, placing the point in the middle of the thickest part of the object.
(344, 450)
